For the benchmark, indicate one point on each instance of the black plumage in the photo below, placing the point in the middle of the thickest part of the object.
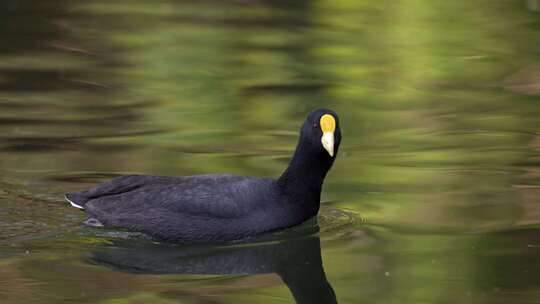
(219, 207)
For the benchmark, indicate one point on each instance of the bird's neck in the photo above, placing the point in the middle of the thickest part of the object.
(305, 174)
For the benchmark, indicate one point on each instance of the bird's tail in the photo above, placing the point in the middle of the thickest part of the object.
(75, 200)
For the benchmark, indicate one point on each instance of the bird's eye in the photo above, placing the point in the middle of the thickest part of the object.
(315, 125)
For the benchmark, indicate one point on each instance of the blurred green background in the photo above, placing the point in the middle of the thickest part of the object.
(434, 197)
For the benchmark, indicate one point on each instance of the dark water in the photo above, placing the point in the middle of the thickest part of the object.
(434, 197)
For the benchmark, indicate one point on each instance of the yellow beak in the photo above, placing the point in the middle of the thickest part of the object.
(328, 126)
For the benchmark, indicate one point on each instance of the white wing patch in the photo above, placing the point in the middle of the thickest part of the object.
(73, 204)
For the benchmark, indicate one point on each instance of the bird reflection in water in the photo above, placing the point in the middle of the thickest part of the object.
(295, 258)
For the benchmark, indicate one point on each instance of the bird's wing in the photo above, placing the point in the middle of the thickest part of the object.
(213, 196)
(114, 186)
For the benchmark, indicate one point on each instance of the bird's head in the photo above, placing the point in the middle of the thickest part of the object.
(321, 131)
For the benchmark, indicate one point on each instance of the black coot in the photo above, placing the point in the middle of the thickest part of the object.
(219, 207)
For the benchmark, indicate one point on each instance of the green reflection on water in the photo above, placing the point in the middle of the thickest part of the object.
(439, 165)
